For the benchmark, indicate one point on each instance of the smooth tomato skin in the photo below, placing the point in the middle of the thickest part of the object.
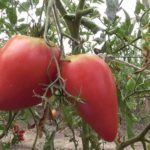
(23, 70)
(89, 77)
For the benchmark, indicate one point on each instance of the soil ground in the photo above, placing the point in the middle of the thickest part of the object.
(61, 142)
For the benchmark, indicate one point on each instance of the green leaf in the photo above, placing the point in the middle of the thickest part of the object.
(121, 102)
(12, 15)
(3, 4)
(130, 122)
(2, 21)
(139, 7)
(67, 113)
(130, 132)
(22, 27)
(9, 28)
(148, 147)
(6, 146)
(128, 20)
(38, 11)
(35, 2)
(144, 85)
(121, 33)
(106, 21)
(26, 114)
(130, 84)
(24, 6)
(126, 27)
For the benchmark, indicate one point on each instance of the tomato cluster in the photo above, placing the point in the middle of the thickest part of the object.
(24, 63)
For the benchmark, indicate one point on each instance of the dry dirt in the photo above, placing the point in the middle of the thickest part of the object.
(61, 142)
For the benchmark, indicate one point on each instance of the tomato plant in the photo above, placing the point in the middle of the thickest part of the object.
(24, 71)
(113, 31)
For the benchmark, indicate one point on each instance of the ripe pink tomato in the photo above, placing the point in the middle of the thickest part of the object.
(90, 78)
(24, 64)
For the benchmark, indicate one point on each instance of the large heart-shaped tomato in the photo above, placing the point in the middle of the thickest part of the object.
(89, 77)
(24, 70)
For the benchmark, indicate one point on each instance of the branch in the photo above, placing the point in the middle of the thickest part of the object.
(73, 23)
(76, 25)
(79, 14)
(120, 3)
(90, 25)
(37, 129)
(63, 12)
(84, 12)
(111, 58)
(81, 4)
(39, 20)
(130, 65)
(133, 41)
(143, 16)
(50, 4)
(59, 79)
(11, 118)
(60, 7)
(137, 92)
(73, 137)
(59, 31)
(68, 36)
(138, 138)
(85, 22)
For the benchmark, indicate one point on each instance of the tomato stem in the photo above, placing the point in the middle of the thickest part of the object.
(84, 136)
